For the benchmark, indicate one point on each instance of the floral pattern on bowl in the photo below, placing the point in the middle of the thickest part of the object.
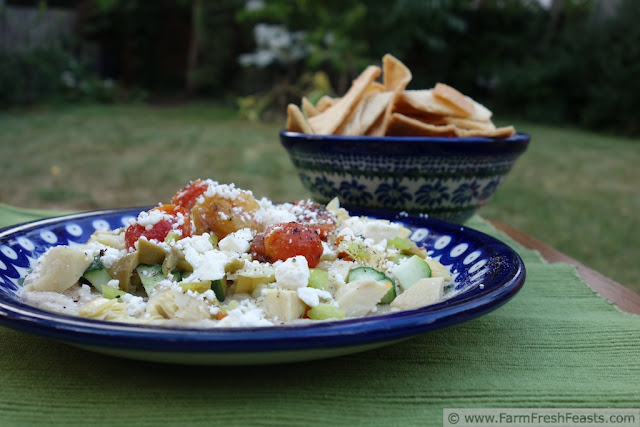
(447, 178)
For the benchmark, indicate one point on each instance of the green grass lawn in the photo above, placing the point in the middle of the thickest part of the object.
(574, 190)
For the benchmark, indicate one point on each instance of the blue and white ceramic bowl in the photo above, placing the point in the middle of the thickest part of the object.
(446, 178)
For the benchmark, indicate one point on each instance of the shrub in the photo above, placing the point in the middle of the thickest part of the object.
(31, 75)
(53, 74)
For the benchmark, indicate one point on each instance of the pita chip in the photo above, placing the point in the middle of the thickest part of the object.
(308, 108)
(421, 102)
(329, 120)
(396, 76)
(466, 107)
(296, 121)
(401, 125)
(454, 99)
(501, 132)
(469, 124)
(366, 114)
(375, 87)
(325, 102)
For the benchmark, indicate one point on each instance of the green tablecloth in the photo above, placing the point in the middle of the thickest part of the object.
(556, 344)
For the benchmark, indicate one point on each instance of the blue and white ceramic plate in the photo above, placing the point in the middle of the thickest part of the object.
(487, 274)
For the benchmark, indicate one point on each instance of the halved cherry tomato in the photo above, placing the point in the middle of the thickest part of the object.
(188, 196)
(287, 240)
(175, 218)
(224, 215)
(316, 217)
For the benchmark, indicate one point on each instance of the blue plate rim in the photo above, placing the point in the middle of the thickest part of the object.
(350, 332)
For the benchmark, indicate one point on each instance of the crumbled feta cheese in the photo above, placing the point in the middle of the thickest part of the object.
(239, 242)
(253, 269)
(328, 253)
(275, 215)
(293, 273)
(265, 203)
(111, 255)
(377, 230)
(225, 191)
(338, 271)
(108, 255)
(245, 315)
(113, 283)
(200, 244)
(207, 266)
(151, 218)
(312, 296)
(207, 263)
(179, 221)
(208, 295)
(135, 305)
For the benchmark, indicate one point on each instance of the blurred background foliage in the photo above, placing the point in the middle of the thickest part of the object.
(560, 62)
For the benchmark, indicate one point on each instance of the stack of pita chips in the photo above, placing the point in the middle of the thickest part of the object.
(389, 109)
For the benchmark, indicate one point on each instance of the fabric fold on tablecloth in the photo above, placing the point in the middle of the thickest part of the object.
(10, 215)
(555, 344)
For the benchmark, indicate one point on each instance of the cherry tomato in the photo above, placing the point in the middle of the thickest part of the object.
(316, 217)
(175, 217)
(188, 196)
(287, 240)
(224, 215)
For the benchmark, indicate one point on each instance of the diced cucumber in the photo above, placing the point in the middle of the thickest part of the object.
(400, 257)
(111, 293)
(360, 273)
(319, 279)
(325, 311)
(411, 270)
(391, 294)
(97, 277)
(150, 275)
(399, 243)
(219, 288)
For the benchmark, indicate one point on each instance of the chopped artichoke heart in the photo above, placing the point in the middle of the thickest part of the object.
(360, 297)
(59, 269)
